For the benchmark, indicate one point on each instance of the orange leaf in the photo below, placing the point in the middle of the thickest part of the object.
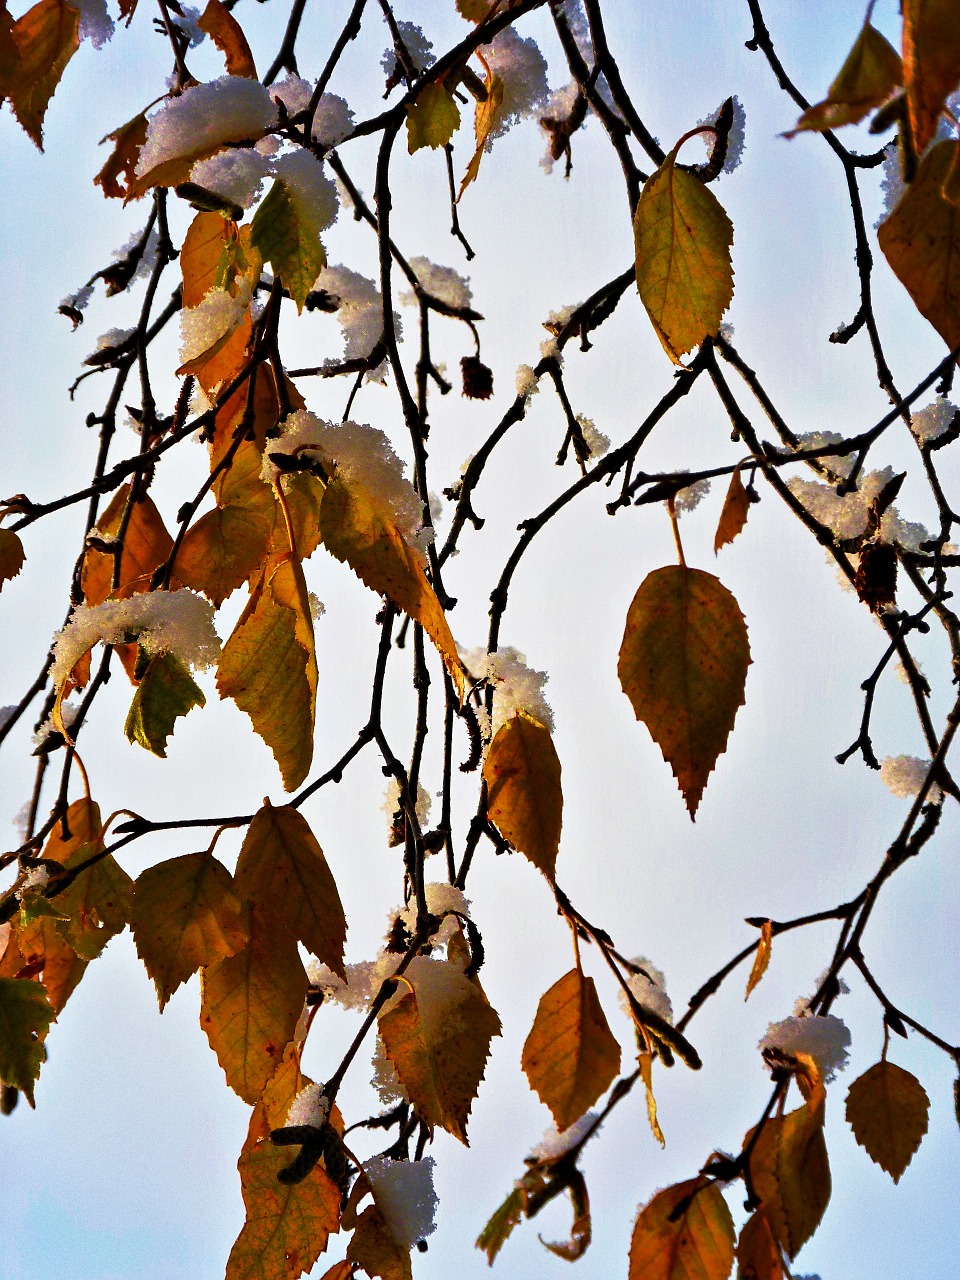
(683, 665)
(46, 38)
(570, 1056)
(758, 1254)
(736, 506)
(871, 72)
(484, 120)
(645, 1061)
(146, 545)
(227, 34)
(887, 1109)
(221, 551)
(44, 951)
(921, 242)
(931, 62)
(282, 866)
(83, 827)
(684, 1233)
(524, 797)
(97, 903)
(122, 161)
(200, 254)
(762, 958)
(374, 1248)
(791, 1172)
(250, 1004)
(11, 555)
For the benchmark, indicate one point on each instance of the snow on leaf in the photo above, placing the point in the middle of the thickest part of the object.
(185, 916)
(25, 1017)
(251, 1002)
(226, 33)
(684, 272)
(758, 1254)
(931, 63)
(683, 1233)
(45, 38)
(11, 555)
(437, 1035)
(761, 959)
(733, 517)
(288, 1225)
(871, 72)
(282, 864)
(146, 545)
(887, 1109)
(683, 665)
(376, 1249)
(166, 691)
(288, 237)
(524, 797)
(921, 242)
(570, 1056)
(433, 118)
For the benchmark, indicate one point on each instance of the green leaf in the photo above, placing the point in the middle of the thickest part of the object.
(25, 1017)
(524, 796)
(684, 270)
(11, 555)
(289, 239)
(683, 665)
(166, 692)
(433, 118)
(494, 1235)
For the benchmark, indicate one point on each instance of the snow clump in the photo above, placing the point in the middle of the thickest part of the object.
(333, 119)
(212, 321)
(555, 1144)
(840, 464)
(933, 420)
(736, 137)
(236, 175)
(847, 515)
(595, 440)
(905, 775)
(310, 1106)
(521, 66)
(205, 117)
(96, 25)
(649, 989)
(823, 1038)
(303, 175)
(528, 384)
(442, 900)
(443, 283)
(690, 496)
(391, 802)
(419, 50)
(404, 1194)
(516, 687)
(360, 315)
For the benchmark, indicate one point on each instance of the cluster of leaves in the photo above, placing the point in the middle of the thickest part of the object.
(683, 661)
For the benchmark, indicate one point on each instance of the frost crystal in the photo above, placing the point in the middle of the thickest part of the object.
(403, 1190)
(521, 66)
(933, 420)
(177, 622)
(690, 497)
(362, 984)
(823, 1038)
(516, 687)
(839, 463)
(442, 900)
(304, 175)
(847, 516)
(114, 338)
(554, 1144)
(96, 25)
(36, 878)
(78, 301)
(207, 116)
(418, 47)
(595, 440)
(391, 801)
(905, 775)
(735, 138)
(213, 319)
(648, 988)
(236, 175)
(528, 384)
(442, 283)
(309, 1107)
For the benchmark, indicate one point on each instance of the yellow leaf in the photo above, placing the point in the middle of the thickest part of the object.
(11, 555)
(684, 271)
(645, 1061)
(758, 1254)
(921, 242)
(287, 234)
(82, 827)
(684, 1233)
(166, 692)
(361, 532)
(227, 34)
(200, 255)
(887, 1109)
(288, 1225)
(871, 72)
(433, 118)
(762, 958)
(221, 551)
(46, 38)
(250, 1004)
(524, 798)
(736, 506)
(484, 120)
(185, 916)
(122, 161)
(146, 545)
(437, 1036)
(374, 1248)
(269, 667)
(791, 1172)
(273, 1105)
(281, 864)
(25, 1017)
(931, 62)
(98, 903)
(570, 1056)
(683, 665)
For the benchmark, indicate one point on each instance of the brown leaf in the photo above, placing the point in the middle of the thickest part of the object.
(282, 866)
(146, 545)
(288, 1225)
(870, 74)
(437, 1036)
(733, 517)
(683, 665)
(570, 1056)
(683, 1233)
(758, 1254)
(581, 1231)
(887, 1109)
(185, 916)
(524, 797)
(931, 62)
(46, 38)
(762, 958)
(250, 1005)
(921, 242)
(227, 34)
(122, 161)
(645, 1061)
(374, 1248)
(11, 555)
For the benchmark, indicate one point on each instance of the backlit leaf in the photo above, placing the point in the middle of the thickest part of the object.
(570, 1056)
(683, 1233)
(581, 1231)
(645, 1061)
(433, 118)
(360, 531)
(122, 161)
(38, 948)
(374, 1248)
(931, 62)
(146, 545)
(282, 865)
(200, 255)
(166, 692)
(871, 72)
(887, 1109)
(82, 827)
(736, 506)
(484, 120)
(761, 959)
(281, 1089)
(438, 1038)
(250, 1004)
(684, 271)
(185, 916)
(921, 242)
(288, 236)
(287, 1225)
(98, 903)
(683, 665)
(25, 1017)
(46, 38)
(227, 34)
(524, 797)
(758, 1254)
(221, 551)
(11, 555)
(493, 1236)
